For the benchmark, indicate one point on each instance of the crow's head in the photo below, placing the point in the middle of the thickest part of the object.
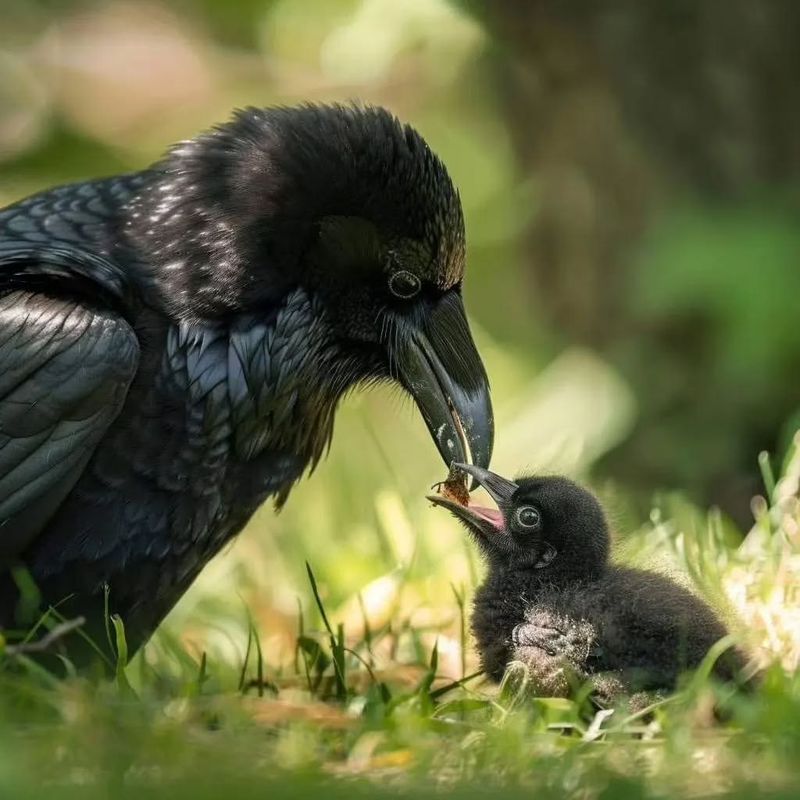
(349, 205)
(548, 524)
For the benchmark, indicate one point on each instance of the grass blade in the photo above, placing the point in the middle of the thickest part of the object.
(122, 656)
(336, 643)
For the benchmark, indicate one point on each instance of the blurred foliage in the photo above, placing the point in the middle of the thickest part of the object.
(627, 113)
(629, 176)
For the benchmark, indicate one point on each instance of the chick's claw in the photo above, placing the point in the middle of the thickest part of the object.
(567, 638)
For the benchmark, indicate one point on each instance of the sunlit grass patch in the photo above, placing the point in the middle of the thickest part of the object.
(286, 677)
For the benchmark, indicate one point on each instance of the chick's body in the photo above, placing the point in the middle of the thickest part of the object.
(639, 625)
(552, 600)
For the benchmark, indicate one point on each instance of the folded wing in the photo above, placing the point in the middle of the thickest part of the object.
(65, 367)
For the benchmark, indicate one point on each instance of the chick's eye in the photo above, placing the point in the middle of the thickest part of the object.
(528, 517)
(404, 284)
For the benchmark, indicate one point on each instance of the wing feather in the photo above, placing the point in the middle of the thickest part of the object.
(65, 369)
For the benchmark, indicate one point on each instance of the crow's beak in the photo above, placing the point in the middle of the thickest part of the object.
(441, 368)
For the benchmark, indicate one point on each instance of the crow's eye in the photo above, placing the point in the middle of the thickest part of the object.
(404, 284)
(528, 517)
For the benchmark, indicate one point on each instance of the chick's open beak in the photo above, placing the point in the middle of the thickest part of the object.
(500, 489)
(486, 521)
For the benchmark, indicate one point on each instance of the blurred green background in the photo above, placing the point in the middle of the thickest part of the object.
(629, 175)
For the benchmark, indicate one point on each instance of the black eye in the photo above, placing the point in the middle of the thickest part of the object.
(528, 517)
(404, 284)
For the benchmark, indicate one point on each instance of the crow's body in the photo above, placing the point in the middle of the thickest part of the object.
(192, 452)
(174, 343)
(553, 601)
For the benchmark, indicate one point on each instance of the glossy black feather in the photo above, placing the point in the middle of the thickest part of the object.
(66, 371)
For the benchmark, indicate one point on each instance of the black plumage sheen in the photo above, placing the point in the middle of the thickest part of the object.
(174, 344)
(552, 600)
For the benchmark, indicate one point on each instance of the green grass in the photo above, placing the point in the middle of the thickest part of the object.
(380, 700)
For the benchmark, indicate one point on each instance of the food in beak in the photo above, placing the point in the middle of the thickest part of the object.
(455, 487)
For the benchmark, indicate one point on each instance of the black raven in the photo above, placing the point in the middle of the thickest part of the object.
(552, 600)
(174, 344)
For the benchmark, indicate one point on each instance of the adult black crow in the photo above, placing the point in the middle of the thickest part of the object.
(174, 344)
(552, 600)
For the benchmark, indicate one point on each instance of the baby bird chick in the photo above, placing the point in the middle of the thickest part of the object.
(552, 600)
